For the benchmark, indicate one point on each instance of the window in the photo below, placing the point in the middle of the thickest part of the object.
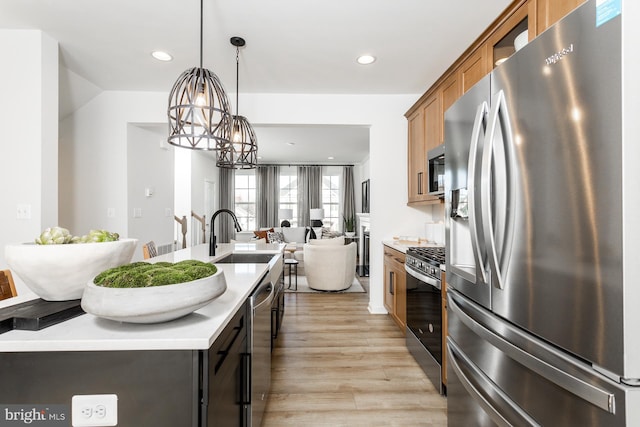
(331, 198)
(289, 192)
(245, 200)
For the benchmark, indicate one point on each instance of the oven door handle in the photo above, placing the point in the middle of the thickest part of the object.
(423, 278)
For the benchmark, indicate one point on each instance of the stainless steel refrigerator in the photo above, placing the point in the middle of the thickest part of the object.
(542, 198)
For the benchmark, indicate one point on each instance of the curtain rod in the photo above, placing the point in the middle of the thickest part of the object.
(300, 164)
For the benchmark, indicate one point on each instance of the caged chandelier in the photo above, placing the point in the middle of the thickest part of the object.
(199, 114)
(241, 149)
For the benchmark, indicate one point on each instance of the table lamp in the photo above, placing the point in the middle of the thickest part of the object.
(285, 215)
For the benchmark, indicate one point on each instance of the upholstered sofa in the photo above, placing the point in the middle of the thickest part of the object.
(330, 265)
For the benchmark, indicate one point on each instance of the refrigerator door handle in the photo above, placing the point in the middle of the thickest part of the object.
(594, 395)
(498, 115)
(479, 127)
(493, 400)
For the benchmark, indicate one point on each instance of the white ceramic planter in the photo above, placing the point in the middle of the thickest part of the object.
(60, 272)
(152, 304)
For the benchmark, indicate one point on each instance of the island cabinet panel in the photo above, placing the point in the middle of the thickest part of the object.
(160, 388)
(226, 371)
(154, 388)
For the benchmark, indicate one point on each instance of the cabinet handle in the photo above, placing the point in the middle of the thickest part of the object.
(245, 392)
(391, 283)
(419, 182)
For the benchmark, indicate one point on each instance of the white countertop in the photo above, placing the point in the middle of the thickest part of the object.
(197, 330)
(403, 245)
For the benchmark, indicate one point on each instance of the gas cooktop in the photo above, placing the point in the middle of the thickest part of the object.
(428, 253)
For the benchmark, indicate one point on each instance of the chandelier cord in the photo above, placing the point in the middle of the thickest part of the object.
(201, 31)
(237, 79)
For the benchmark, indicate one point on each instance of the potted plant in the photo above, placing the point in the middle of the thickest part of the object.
(349, 226)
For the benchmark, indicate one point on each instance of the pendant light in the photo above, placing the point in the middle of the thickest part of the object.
(199, 114)
(241, 149)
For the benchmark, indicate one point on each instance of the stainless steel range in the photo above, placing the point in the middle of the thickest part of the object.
(424, 310)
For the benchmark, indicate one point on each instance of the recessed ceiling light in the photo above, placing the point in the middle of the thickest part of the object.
(291, 143)
(259, 157)
(330, 157)
(366, 59)
(161, 56)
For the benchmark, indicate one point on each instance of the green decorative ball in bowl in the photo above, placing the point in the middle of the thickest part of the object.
(59, 272)
(144, 292)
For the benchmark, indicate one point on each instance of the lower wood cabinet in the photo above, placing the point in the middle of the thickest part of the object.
(395, 286)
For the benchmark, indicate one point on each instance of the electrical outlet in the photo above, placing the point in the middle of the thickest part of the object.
(111, 212)
(137, 212)
(94, 410)
(23, 212)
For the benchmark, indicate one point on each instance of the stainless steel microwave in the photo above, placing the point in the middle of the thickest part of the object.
(435, 171)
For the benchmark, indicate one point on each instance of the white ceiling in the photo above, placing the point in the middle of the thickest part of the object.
(292, 46)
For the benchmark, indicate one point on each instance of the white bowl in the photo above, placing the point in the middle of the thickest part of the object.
(152, 304)
(60, 272)
(521, 40)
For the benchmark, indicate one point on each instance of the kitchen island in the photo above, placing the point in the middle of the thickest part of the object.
(165, 374)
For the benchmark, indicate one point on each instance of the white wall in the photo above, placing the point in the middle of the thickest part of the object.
(93, 156)
(203, 168)
(99, 131)
(29, 138)
(149, 167)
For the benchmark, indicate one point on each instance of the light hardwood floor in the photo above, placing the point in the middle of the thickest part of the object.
(336, 364)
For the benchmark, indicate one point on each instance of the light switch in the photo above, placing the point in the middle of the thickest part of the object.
(137, 212)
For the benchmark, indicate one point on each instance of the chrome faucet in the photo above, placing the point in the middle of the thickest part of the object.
(212, 237)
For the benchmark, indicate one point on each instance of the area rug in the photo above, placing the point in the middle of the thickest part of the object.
(303, 286)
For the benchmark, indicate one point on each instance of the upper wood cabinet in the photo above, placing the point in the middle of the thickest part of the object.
(426, 117)
(551, 11)
(451, 90)
(474, 68)
(500, 44)
(416, 178)
(425, 133)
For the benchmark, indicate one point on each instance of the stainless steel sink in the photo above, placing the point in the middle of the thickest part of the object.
(245, 258)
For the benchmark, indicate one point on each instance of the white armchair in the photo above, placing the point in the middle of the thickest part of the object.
(329, 264)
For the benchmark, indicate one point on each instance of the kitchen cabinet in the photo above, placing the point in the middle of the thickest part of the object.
(500, 44)
(226, 374)
(416, 178)
(451, 90)
(474, 68)
(425, 133)
(395, 288)
(551, 11)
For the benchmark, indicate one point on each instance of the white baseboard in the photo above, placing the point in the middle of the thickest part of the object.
(379, 309)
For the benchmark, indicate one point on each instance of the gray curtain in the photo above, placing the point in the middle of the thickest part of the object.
(348, 195)
(227, 201)
(267, 195)
(309, 192)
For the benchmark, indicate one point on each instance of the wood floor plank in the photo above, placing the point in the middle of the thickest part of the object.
(336, 364)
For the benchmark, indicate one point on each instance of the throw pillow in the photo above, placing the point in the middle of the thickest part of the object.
(262, 234)
(275, 237)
